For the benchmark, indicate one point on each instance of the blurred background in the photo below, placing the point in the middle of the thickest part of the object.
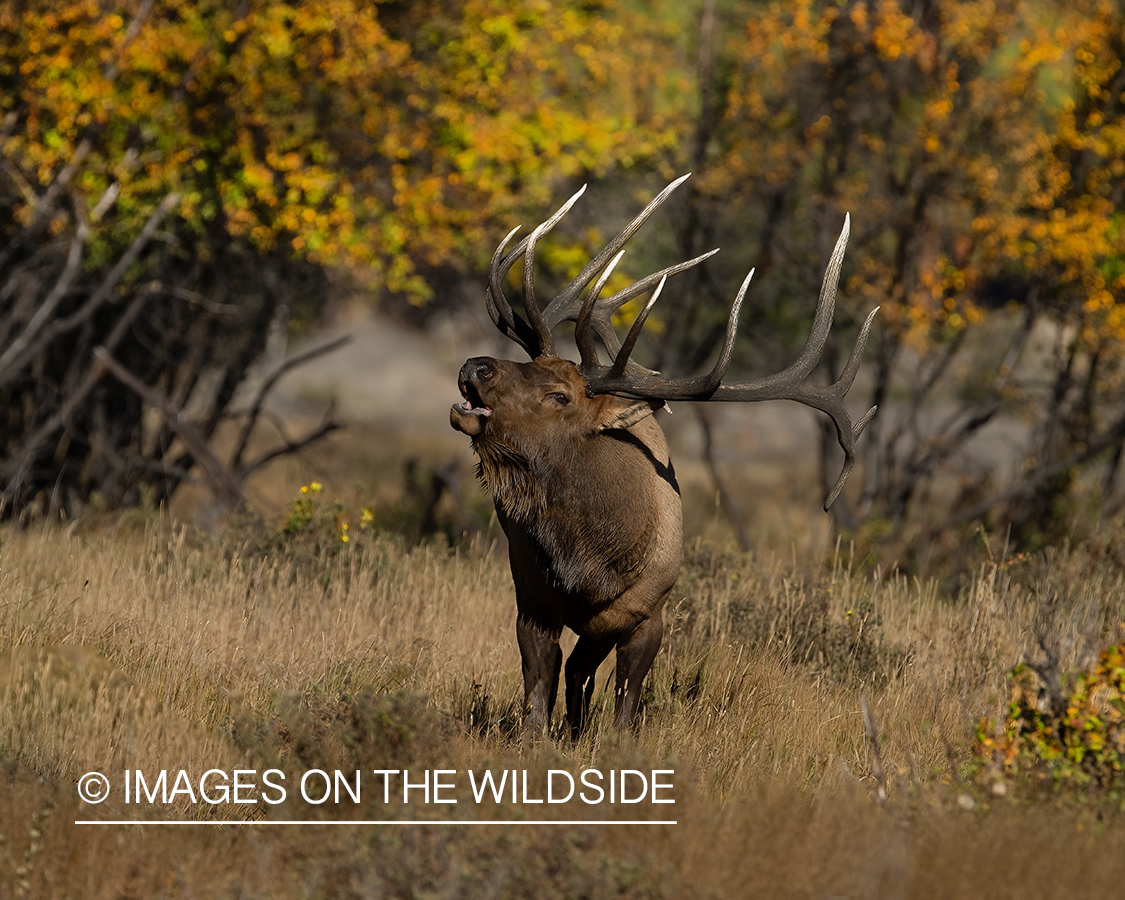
(199, 203)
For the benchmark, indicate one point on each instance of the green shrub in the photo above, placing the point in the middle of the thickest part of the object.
(1074, 734)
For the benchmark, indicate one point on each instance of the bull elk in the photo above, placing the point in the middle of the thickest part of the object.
(579, 470)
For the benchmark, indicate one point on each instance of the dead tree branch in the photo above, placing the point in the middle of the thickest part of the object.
(726, 499)
(327, 426)
(18, 354)
(225, 486)
(268, 385)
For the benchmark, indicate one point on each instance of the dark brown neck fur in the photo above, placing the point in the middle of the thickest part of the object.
(507, 475)
(598, 561)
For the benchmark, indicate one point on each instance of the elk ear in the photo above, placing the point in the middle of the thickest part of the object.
(625, 413)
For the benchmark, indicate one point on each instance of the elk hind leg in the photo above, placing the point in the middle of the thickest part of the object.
(634, 658)
(542, 662)
(581, 667)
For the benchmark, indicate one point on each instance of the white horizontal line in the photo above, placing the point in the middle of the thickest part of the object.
(378, 822)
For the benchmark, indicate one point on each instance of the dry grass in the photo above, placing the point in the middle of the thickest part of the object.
(136, 644)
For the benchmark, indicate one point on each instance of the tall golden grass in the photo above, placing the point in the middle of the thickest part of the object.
(131, 642)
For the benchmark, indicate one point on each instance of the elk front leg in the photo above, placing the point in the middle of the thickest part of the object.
(581, 666)
(634, 658)
(542, 661)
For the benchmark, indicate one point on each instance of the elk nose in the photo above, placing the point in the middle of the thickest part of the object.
(476, 370)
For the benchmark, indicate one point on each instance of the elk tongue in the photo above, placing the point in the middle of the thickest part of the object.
(468, 418)
(467, 407)
(472, 402)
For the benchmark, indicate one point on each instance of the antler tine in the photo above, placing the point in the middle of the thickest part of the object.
(622, 358)
(793, 383)
(582, 337)
(531, 307)
(772, 387)
(534, 334)
(565, 305)
(601, 316)
(847, 376)
(829, 399)
(670, 388)
(822, 319)
(534, 338)
(847, 437)
(499, 310)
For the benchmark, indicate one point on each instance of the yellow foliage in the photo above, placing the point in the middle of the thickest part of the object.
(953, 141)
(319, 123)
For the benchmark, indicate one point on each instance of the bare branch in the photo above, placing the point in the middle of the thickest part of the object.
(327, 426)
(8, 364)
(225, 486)
(726, 498)
(15, 470)
(1097, 445)
(9, 126)
(953, 431)
(44, 206)
(286, 366)
(17, 356)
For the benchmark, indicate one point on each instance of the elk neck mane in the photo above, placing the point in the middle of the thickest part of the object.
(586, 540)
(508, 475)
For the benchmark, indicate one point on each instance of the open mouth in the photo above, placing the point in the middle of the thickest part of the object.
(472, 403)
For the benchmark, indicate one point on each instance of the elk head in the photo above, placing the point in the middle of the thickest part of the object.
(509, 409)
(579, 469)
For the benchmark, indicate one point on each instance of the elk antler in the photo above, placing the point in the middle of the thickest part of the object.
(627, 378)
(793, 383)
(535, 337)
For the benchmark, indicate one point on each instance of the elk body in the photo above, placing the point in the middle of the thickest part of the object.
(579, 469)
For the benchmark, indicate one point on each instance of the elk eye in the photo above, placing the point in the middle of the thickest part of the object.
(559, 398)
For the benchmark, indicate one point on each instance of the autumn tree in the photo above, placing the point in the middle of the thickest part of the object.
(178, 178)
(978, 147)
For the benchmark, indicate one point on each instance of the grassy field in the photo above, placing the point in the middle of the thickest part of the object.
(135, 643)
